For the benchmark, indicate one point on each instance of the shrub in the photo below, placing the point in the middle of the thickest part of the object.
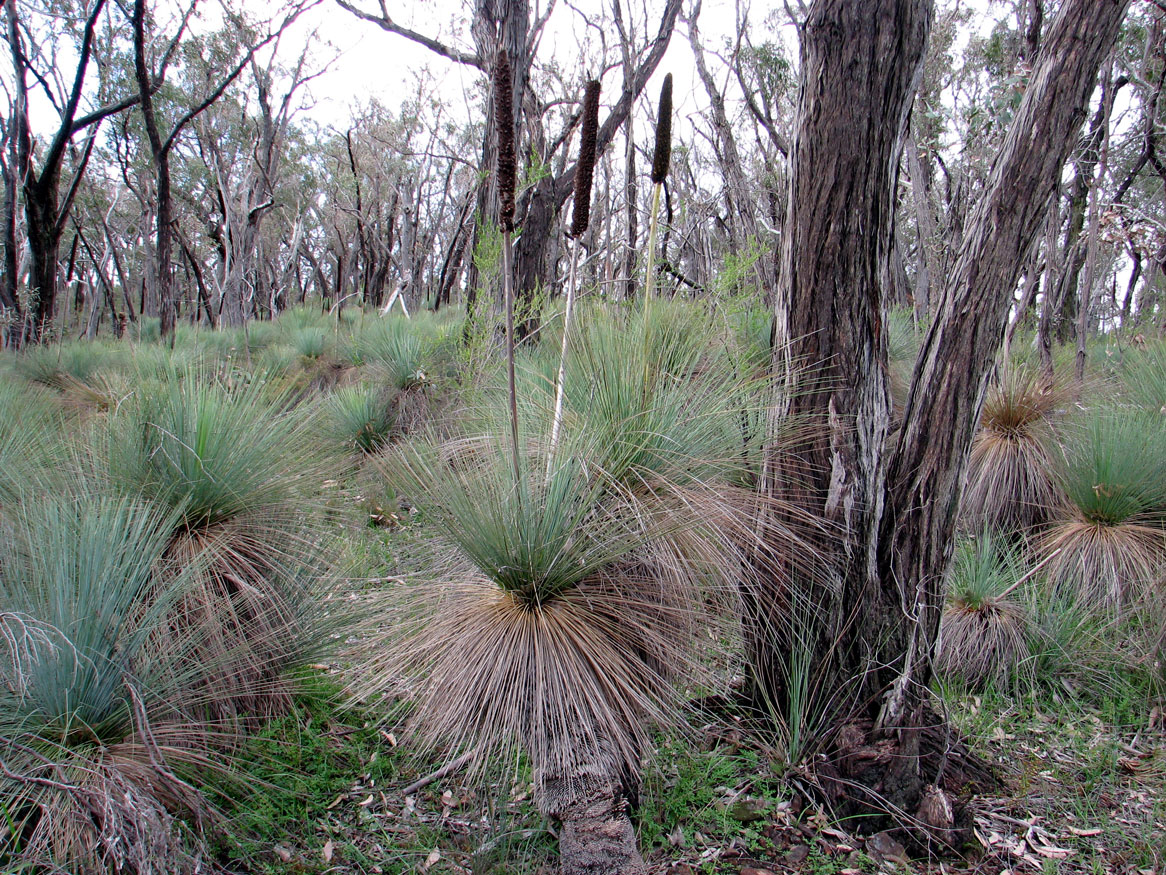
(986, 628)
(1106, 543)
(1011, 477)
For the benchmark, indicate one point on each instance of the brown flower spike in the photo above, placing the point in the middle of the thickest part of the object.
(507, 162)
(663, 154)
(585, 169)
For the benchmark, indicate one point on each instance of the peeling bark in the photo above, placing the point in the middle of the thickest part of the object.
(878, 599)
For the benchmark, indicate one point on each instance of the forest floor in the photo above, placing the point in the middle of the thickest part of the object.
(1082, 794)
(1084, 791)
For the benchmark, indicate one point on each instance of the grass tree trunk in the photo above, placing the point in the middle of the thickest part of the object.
(596, 836)
(872, 610)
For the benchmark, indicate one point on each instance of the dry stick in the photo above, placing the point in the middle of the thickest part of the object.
(448, 768)
(584, 174)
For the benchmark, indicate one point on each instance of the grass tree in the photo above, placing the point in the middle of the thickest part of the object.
(98, 722)
(1106, 542)
(1145, 377)
(987, 626)
(1011, 484)
(359, 417)
(563, 604)
(238, 471)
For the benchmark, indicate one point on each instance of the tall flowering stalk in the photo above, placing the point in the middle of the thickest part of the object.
(661, 157)
(580, 218)
(507, 178)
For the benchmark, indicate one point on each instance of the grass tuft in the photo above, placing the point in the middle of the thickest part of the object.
(986, 627)
(1011, 480)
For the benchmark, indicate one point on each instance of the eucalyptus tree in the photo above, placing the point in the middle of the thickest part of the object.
(870, 613)
(52, 46)
(1134, 218)
(232, 52)
(745, 231)
(247, 187)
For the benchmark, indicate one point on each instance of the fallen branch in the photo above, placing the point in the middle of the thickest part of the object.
(448, 768)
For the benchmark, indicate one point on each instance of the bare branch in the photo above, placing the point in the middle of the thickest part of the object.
(387, 24)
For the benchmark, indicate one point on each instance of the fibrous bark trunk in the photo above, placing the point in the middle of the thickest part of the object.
(871, 613)
(860, 63)
(597, 836)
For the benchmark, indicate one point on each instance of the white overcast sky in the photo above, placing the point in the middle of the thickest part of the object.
(374, 63)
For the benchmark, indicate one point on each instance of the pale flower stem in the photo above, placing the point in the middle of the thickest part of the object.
(650, 280)
(508, 290)
(560, 390)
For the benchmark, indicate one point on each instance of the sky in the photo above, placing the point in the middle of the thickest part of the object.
(373, 63)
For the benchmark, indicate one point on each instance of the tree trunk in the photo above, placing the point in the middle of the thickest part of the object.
(160, 154)
(860, 62)
(44, 243)
(11, 313)
(870, 617)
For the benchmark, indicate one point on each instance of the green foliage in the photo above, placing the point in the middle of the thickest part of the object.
(359, 418)
(395, 347)
(488, 254)
(535, 539)
(737, 274)
(277, 360)
(771, 66)
(85, 570)
(1112, 469)
(296, 766)
(693, 790)
(657, 399)
(29, 415)
(215, 453)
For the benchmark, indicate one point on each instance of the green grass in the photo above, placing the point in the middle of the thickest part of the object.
(297, 765)
(87, 598)
(708, 797)
(359, 418)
